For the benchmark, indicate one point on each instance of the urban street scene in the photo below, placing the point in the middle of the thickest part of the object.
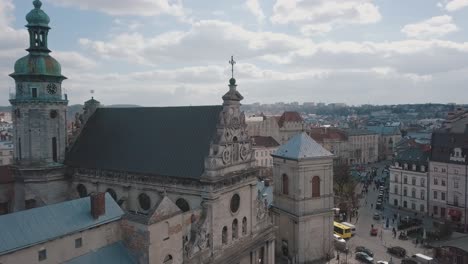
(233, 132)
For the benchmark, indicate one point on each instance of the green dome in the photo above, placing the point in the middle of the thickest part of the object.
(37, 17)
(38, 65)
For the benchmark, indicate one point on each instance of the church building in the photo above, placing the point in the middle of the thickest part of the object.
(303, 201)
(184, 176)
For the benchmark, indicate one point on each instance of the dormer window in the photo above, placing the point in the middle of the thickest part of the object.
(414, 167)
(397, 164)
(423, 169)
(405, 166)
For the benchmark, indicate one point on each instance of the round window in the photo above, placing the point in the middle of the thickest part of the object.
(145, 201)
(235, 202)
(53, 114)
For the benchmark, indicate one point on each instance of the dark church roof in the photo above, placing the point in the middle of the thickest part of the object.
(166, 141)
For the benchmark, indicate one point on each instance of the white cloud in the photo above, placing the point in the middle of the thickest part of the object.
(434, 27)
(125, 7)
(254, 7)
(315, 29)
(454, 5)
(325, 12)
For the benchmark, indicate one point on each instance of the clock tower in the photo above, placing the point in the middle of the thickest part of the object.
(39, 119)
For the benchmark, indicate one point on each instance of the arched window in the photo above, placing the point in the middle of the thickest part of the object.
(183, 205)
(224, 236)
(285, 184)
(423, 195)
(244, 226)
(235, 231)
(81, 189)
(405, 191)
(413, 193)
(144, 201)
(112, 193)
(316, 186)
(168, 259)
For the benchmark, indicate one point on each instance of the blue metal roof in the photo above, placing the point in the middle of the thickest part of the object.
(301, 146)
(27, 228)
(115, 253)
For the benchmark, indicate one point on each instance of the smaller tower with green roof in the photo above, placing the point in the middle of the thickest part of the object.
(39, 115)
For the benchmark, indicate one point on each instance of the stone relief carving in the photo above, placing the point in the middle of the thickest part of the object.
(198, 237)
(261, 207)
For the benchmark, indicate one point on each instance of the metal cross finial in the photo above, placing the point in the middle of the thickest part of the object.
(232, 62)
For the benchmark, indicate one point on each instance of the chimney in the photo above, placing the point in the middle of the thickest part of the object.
(98, 204)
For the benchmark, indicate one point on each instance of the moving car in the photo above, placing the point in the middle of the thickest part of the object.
(365, 250)
(374, 231)
(397, 251)
(421, 258)
(376, 216)
(382, 262)
(361, 256)
(340, 243)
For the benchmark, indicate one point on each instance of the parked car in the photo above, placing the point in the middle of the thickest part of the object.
(365, 250)
(382, 262)
(361, 256)
(374, 231)
(409, 261)
(397, 251)
(376, 216)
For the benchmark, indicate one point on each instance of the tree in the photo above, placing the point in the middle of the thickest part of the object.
(341, 178)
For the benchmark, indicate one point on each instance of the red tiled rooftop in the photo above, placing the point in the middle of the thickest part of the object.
(289, 117)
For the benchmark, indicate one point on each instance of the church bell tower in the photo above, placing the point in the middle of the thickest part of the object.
(39, 117)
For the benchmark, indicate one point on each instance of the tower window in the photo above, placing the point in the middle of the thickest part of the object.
(54, 149)
(34, 92)
(316, 186)
(19, 148)
(285, 184)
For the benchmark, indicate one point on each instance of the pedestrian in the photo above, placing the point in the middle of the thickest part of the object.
(371, 205)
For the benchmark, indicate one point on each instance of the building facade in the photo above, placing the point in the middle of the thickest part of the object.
(303, 201)
(448, 172)
(281, 128)
(363, 146)
(409, 180)
(204, 176)
(334, 140)
(389, 136)
(6, 152)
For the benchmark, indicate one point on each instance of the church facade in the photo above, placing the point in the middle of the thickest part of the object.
(185, 176)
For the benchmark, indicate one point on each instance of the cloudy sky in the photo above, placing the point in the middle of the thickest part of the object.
(176, 52)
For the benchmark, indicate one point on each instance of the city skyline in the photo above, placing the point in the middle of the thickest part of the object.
(176, 52)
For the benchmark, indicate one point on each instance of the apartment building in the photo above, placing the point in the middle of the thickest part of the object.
(409, 180)
(448, 172)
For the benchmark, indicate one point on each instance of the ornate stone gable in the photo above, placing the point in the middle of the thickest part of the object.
(231, 149)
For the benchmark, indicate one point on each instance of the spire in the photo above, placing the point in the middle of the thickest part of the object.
(232, 95)
(38, 27)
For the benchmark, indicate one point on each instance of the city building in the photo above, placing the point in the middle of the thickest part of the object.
(448, 172)
(334, 140)
(303, 200)
(281, 128)
(6, 152)
(7, 182)
(451, 251)
(262, 148)
(290, 124)
(389, 136)
(189, 195)
(67, 232)
(363, 146)
(409, 180)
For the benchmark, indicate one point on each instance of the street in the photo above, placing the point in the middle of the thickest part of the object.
(377, 244)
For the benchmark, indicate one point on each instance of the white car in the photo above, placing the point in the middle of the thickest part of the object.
(382, 262)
